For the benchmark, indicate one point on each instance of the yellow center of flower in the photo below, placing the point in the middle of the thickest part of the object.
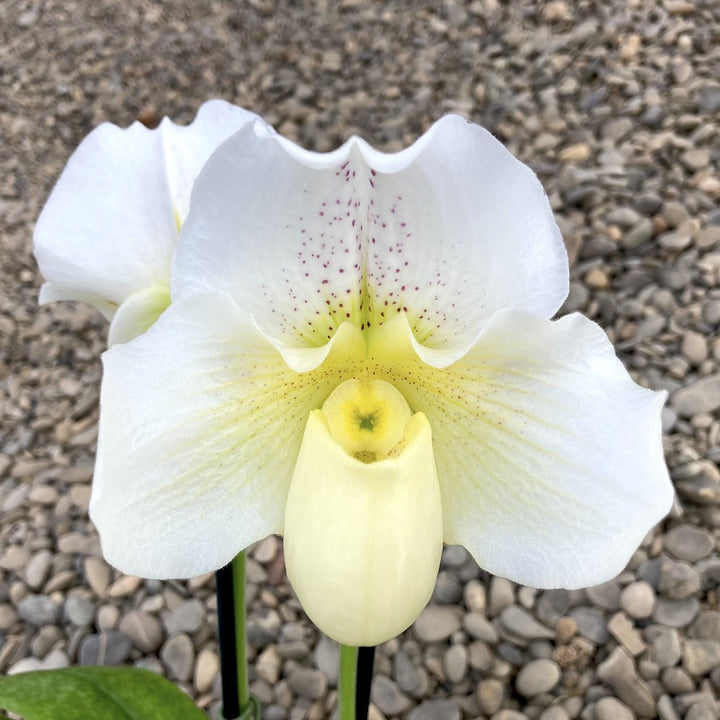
(367, 418)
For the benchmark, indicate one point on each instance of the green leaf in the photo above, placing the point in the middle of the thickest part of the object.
(95, 693)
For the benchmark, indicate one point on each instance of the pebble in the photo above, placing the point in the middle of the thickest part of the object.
(676, 681)
(436, 710)
(98, 574)
(207, 668)
(187, 617)
(79, 610)
(676, 613)
(638, 234)
(38, 569)
(178, 657)
(268, 665)
(105, 648)
(39, 610)
(687, 542)
(309, 683)
(700, 396)
(388, 697)
(666, 648)
(590, 623)
(638, 599)
(455, 663)
(521, 623)
(436, 622)
(707, 625)
(490, 694)
(700, 656)
(610, 708)
(478, 626)
(143, 629)
(619, 672)
(538, 676)
(678, 580)
(621, 628)
(501, 595)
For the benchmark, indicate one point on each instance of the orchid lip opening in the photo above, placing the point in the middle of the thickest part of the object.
(367, 418)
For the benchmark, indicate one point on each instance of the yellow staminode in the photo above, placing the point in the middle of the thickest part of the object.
(366, 418)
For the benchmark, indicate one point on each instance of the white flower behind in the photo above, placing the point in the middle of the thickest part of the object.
(110, 226)
(360, 355)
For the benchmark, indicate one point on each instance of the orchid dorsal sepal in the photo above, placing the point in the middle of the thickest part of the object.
(363, 539)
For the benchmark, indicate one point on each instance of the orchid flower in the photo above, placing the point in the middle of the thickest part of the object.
(109, 228)
(359, 355)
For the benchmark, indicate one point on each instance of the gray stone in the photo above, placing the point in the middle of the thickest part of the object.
(490, 694)
(538, 676)
(436, 710)
(38, 568)
(687, 542)
(638, 599)
(308, 683)
(437, 622)
(521, 623)
(591, 624)
(665, 709)
(405, 672)
(105, 648)
(678, 580)
(555, 712)
(263, 626)
(455, 663)
(610, 708)
(701, 396)
(699, 657)
(709, 99)
(327, 656)
(606, 596)
(39, 610)
(143, 629)
(79, 610)
(676, 613)
(666, 648)
(619, 672)
(178, 657)
(388, 697)
(186, 617)
(676, 681)
(480, 656)
(448, 589)
(502, 594)
(480, 627)
(707, 626)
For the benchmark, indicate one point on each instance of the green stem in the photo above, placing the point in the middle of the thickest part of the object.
(238, 573)
(346, 684)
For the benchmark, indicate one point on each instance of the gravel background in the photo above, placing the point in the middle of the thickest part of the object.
(617, 107)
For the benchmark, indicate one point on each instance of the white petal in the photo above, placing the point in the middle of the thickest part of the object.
(187, 147)
(549, 455)
(448, 231)
(138, 313)
(110, 225)
(363, 540)
(200, 427)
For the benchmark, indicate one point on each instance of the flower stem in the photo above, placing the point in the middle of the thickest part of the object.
(346, 684)
(238, 704)
(366, 659)
(238, 578)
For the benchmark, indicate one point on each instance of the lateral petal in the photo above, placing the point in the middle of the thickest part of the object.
(549, 456)
(200, 427)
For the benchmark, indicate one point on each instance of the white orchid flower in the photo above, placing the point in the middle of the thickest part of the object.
(110, 226)
(359, 355)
